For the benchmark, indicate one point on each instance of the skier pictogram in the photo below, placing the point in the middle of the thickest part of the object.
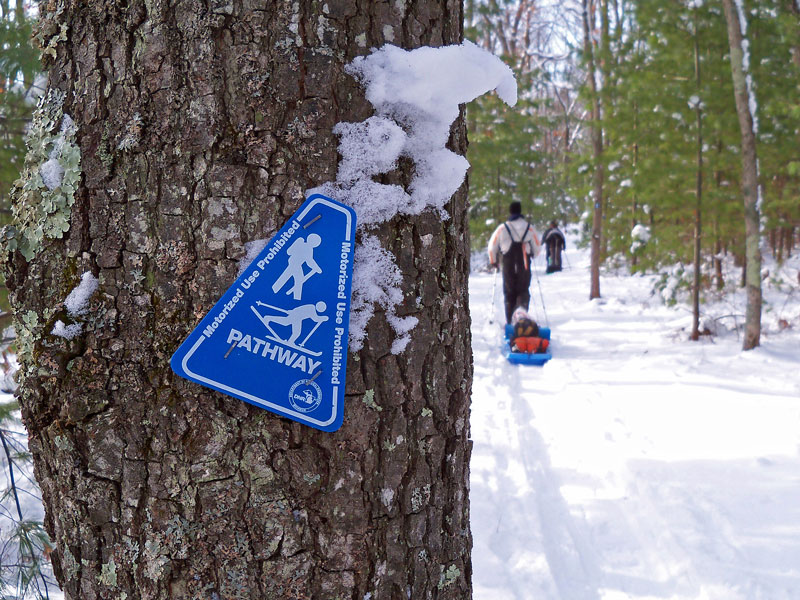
(294, 319)
(301, 253)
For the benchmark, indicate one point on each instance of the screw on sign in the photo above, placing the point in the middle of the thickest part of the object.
(277, 338)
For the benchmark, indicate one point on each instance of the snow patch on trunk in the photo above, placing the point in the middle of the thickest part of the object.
(416, 95)
(77, 305)
(77, 301)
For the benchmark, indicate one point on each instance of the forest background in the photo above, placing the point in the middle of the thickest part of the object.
(669, 163)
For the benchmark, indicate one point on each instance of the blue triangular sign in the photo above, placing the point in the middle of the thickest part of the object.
(278, 337)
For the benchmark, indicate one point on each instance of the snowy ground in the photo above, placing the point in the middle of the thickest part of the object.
(635, 464)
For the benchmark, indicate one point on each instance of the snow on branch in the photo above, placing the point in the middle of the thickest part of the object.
(416, 95)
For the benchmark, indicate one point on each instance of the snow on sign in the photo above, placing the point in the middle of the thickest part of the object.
(278, 337)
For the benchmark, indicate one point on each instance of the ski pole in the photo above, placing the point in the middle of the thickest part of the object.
(303, 343)
(494, 289)
(541, 297)
(567, 257)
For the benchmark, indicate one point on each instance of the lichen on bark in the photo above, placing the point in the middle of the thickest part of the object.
(42, 198)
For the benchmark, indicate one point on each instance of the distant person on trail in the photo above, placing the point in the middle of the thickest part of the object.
(513, 243)
(554, 243)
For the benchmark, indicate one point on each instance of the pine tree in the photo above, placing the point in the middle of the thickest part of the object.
(773, 33)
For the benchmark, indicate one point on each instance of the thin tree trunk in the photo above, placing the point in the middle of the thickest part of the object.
(606, 84)
(698, 219)
(794, 9)
(718, 247)
(634, 200)
(773, 241)
(200, 126)
(597, 154)
(752, 333)
(718, 276)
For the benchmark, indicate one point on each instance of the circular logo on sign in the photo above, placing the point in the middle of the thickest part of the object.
(305, 396)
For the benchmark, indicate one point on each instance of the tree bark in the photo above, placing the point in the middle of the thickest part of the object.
(752, 328)
(200, 126)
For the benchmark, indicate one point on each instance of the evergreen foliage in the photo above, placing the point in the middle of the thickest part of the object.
(19, 64)
(519, 153)
(774, 34)
(651, 133)
(509, 163)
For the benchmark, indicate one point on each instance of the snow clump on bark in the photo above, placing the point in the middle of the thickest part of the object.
(77, 305)
(416, 95)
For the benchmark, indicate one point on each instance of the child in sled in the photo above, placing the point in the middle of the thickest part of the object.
(525, 337)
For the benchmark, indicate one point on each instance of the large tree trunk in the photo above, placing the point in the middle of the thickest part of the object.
(200, 126)
(752, 327)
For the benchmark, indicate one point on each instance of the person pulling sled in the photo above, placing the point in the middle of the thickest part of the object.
(513, 245)
(554, 243)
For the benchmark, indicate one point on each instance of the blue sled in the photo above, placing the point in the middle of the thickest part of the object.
(524, 358)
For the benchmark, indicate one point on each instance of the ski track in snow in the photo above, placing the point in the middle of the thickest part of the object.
(635, 464)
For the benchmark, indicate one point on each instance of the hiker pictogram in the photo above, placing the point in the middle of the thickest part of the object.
(301, 254)
(293, 319)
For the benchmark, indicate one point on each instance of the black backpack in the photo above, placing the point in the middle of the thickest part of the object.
(515, 257)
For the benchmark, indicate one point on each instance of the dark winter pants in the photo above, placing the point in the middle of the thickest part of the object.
(553, 257)
(516, 284)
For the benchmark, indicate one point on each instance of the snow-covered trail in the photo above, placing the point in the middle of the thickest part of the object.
(634, 464)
